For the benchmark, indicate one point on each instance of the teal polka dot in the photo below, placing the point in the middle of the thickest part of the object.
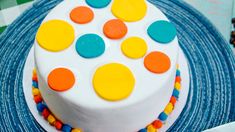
(90, 46)
(162, 31)
(98, 3)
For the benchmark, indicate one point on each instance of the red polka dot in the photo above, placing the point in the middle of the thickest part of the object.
(82, 15)
(157, 62)
(61, 79)
(115, 29)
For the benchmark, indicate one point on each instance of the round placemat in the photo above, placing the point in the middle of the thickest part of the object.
(211, 100)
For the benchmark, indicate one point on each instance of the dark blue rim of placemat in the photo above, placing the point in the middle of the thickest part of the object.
(211, 100)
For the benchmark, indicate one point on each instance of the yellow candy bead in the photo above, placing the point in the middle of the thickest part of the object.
(34, 72)
(134, 47)
(177, 66)
(113, 82)
(76, 130)
(51, 119)
(129, 10)
(35, 91)
(150, 128)
(169, 108)
(55, 35)
(177, 86)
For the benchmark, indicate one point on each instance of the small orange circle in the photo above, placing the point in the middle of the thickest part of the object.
(61, 79)
(157, 62)
(115, 29)
(81, 15)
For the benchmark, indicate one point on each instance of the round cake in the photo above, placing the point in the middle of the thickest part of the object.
(106, 66)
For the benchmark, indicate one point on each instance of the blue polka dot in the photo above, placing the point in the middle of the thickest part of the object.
(90, 46)
(98, 3)
(162, 31)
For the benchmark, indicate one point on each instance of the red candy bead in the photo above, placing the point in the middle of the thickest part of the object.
(35, 78)
(178, 79)
(37, 99)
(58, 125)
(45, 113)
(157, 124)
(173, 100)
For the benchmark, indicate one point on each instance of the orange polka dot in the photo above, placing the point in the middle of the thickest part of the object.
(115, 29)
(61, 79)
(157, 62)
(82, 15)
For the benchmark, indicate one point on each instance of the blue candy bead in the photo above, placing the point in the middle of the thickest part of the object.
(143, 130)
(177, 72)
(66, 128)
(41, 107)
(176, 93)
(98, 3)
(90, 46)
(35, 84)
(163, 116)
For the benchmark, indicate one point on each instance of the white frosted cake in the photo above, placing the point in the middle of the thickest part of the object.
(106, 66)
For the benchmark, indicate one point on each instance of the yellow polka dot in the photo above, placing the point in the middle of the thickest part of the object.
(129, 10)
(113, 82)
(55, 35)
(134, 47)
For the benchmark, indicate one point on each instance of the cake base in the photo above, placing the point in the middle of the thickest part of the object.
(27, 87)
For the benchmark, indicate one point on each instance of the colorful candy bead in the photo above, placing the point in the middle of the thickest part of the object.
(37, 99)
(173, 100)
(76, 130)
(51, 119)
(45, 113)
(169, 108)
(178, 79)
(35, 84)
(35, 78)
(58, 125)
(157, 124)
(35, 91)
(176, 93)
(163, 116)
(177, 72)
(177, 86)
(150, 128)
(143, 130)
(34, 72)
(41, 107)
(66, 128)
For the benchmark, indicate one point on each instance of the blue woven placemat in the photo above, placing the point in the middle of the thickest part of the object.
(211, 100)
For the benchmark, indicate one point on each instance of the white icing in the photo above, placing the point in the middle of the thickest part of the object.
(81, 106)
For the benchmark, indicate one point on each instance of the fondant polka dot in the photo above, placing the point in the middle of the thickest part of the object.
(157, 62)
(90, 46)
(55, 35)
(134, 47)
(61, 79)
(82, 15)
(129, 10)
(98, 3)
(162, 31)
(113, 82)
(115, 29)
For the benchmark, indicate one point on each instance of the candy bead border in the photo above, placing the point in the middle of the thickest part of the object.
(52, 120)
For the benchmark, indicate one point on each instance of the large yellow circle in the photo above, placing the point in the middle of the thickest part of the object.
(55, 35)
(134, 47)
(129, 10)
(113, 82)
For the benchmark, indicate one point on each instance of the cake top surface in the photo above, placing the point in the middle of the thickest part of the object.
(112, 53)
